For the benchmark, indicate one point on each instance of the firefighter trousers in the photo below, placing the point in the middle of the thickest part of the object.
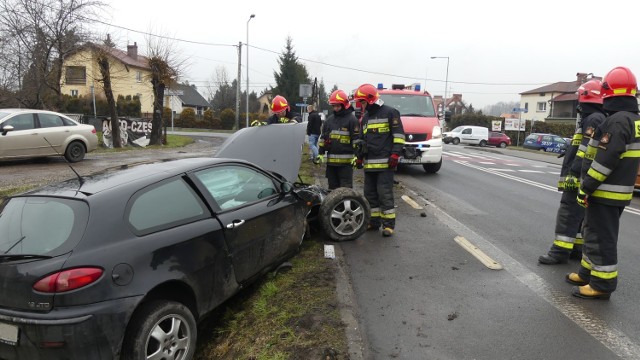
(568, 226)
(378, 190)
(599, 263)
(339, 176)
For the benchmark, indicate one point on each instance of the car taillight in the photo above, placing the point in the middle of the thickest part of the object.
(93, 131)
(68, 280)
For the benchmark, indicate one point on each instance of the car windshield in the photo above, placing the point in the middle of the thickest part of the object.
(39, 225)
(410, 105)
(458, 129)
(4, 114)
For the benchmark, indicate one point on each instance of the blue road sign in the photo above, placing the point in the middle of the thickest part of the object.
(301, 104)
(520, 110)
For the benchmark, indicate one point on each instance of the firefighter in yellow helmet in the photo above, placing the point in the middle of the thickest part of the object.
(280, 113)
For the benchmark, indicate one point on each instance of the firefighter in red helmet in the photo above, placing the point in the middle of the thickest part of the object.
(339, 133)
(607, 186)
(281, 113)
(383, 137)
(568, 238)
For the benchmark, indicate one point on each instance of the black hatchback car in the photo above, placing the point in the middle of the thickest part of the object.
(123, 265)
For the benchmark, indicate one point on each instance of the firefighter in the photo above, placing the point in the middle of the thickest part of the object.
(281, 113)
(383, 138)
(607, 186)
(339, 132)
(568, 239)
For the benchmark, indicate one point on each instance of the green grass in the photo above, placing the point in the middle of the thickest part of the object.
(4, 192)
(173, 141)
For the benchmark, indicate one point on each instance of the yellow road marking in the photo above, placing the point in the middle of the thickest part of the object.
(477, 253)
(410, 201)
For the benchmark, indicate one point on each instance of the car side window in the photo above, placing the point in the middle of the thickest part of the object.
(21, 122)
(232, 186)
(466, 131)
(164, 206)
(50, 120)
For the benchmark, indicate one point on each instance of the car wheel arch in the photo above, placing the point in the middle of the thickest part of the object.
(174, 290)
(70, 155)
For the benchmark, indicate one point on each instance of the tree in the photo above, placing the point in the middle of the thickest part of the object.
(324, 97)
(105, 78)
(38, 35)
(500, 108)
(291, 75)
(165, 67)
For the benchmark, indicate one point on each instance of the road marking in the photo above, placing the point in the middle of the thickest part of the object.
(505, 170)
(615, 340)
(487, 162)
(477, 253)
(532, 171)
(410, 201)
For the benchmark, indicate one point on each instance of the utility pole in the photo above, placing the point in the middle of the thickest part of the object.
(238, 85)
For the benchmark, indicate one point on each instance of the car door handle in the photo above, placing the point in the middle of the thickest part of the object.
(235, 224)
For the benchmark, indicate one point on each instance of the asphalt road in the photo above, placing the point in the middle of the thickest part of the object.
(421, 295)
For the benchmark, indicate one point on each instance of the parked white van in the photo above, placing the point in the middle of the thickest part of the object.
(467, 134)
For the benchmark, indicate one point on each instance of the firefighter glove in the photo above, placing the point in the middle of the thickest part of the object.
(356, 163)
(393, 160)
(318, 160)
(256, 123)
(571, 183)
(582, 199)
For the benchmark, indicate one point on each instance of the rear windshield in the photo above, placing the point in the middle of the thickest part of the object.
(410, 105)
(40, 225)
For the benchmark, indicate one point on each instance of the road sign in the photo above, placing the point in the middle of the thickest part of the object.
(520, 110)
(305, 90)
(301, 104)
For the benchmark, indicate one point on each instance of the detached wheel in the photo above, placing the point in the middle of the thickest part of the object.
(432, 168)
(455, 141)
(503, 145)
(75, 151)
(161, 330)
(344, 214)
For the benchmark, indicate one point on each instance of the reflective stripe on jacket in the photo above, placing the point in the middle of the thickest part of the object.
(383, 135)
(611, 177)
(339, 132)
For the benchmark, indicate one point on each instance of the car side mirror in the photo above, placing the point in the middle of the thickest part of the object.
(6, 129)
(286, 187)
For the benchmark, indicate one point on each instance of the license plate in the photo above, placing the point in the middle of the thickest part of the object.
(8, 334)
(417, 160)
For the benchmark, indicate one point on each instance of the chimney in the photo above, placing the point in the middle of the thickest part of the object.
(581, 78)
(132, 51)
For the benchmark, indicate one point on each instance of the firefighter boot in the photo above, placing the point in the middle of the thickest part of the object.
(386, 232)
(587, 292)
(576, 253)
(575, 279)
(549, 259)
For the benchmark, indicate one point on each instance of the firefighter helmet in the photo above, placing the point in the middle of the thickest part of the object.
(339, 97)
(366, 92)
(619, 82)
(279, 104)
(590, 92)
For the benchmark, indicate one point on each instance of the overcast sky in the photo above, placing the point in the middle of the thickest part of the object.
(496, 49)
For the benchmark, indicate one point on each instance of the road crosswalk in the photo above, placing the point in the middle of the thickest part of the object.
(498, 163)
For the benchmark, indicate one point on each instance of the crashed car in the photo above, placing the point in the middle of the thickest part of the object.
(123, 264)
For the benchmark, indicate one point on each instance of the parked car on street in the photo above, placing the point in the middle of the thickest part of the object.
(545, 142)
(26, 133)
(498, 139)
(124, 264)
(467, 134)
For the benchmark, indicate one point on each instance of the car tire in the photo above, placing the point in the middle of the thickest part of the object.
(482, 143)
(446, 141)
(75, 151)
(432, 168)
(502, 145)
(455, 141)
(344, 214)
(161, 317)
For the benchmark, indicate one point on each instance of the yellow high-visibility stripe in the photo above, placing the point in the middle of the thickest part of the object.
(376, 214)
(563, 244)
(612, 195)
(630, 154)
(596, 175)
(580, 154)
(378, 126)
(398, 140)
(605, 275)
(376, 166)
(585, 264)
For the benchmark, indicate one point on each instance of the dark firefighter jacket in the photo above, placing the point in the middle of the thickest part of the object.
(274, 119)
(383, 135)
(592, 117)
(339, 132)
(611, 177)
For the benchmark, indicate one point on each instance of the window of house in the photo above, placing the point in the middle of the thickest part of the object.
(74, 93)
(542, 106)
(542, 94)
(76, 75)
(526, 106)
(199, 111)
(138, 76)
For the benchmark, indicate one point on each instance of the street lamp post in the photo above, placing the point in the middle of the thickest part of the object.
(247, 105)
(446, 82)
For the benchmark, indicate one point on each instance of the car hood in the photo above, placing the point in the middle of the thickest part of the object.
(276, 148)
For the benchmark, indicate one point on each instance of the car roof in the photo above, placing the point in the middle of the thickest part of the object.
(12, 111)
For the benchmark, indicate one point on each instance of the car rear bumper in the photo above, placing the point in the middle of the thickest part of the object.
(93, 331)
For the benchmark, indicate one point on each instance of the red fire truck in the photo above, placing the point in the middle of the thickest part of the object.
(423, 134)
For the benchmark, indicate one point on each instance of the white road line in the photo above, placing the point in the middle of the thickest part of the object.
(411, 202)
(504, 170)
(529, 182)
(531, 171)
(513, 164)
(486, 162)
(614, 339)
(553, 172)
